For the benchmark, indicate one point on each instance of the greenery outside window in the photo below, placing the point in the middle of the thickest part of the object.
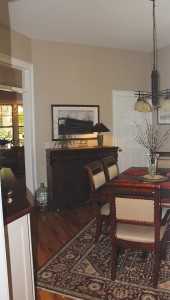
(12, 123)
(20, 124)
(6, 122)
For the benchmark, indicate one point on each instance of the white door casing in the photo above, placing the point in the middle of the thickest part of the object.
(29, 126)
(19, 259)
(124, 130)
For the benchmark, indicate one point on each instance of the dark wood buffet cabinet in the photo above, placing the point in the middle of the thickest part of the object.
(66, 177)
(13, 158)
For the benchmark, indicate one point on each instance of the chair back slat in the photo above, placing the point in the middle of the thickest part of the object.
(96, 175)
(138, 204)
(163, 160)
(110, 167)
(99, 179)
(135, 210)
(113, 171)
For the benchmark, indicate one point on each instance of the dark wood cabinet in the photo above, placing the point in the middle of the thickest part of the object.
(66, 177)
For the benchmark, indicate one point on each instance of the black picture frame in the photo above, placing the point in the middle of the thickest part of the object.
(74, 120)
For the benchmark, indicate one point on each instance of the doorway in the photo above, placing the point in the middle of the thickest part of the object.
(28, 105)
(12, 134)
(124, 130)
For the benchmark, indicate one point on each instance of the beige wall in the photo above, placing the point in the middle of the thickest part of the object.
(5, 38)
(5, 34)
(21, 47)
(75, 74)
(14, 44)
(164, 67)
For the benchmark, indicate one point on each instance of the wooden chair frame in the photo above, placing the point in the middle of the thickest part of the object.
(98, 196)
(143, 191)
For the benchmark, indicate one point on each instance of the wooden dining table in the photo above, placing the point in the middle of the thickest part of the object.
(138, 174)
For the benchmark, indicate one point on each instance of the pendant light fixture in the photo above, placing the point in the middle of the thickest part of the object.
(155, 95)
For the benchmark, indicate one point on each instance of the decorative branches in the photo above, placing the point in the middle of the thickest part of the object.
(151, 138)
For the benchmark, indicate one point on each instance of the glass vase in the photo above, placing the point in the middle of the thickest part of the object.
(41, 198)
(152, 164)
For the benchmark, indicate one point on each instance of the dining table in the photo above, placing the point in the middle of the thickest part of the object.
(136, 175)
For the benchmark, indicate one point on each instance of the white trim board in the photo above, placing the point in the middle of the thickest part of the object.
(29, 125)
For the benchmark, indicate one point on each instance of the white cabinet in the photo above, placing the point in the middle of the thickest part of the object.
(19, 259)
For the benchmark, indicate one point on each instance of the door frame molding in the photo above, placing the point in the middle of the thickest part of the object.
(129, 156)
(29, 120)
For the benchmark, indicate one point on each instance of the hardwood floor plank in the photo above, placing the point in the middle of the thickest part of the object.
(43, 295)
(50, 232)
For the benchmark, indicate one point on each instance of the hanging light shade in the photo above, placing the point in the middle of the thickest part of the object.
(149, 108)
(165, 104)
(155, 94)
(142, 106)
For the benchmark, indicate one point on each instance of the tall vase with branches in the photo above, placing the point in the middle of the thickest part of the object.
(152, 138)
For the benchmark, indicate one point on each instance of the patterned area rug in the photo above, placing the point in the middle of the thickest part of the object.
(81, 270)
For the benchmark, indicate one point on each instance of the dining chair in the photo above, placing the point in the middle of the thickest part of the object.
(110, 167)
(163, 160)
(98, 195)
(165, 201)
(135, 221)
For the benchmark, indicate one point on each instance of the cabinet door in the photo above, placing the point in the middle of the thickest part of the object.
(19, 259)
(69, 187)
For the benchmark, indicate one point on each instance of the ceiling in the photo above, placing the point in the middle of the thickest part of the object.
(123, 24)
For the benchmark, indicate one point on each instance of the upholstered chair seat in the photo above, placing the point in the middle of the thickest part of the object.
(138, 233)
(105, 210)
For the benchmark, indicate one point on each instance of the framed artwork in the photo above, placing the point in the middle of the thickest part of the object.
(74, 120)
(163, 117)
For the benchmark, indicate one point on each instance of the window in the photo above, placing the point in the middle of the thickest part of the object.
(20, 124)
(6, 122)
(12, 123)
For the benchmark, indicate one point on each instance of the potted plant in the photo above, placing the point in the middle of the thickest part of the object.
(64, 139)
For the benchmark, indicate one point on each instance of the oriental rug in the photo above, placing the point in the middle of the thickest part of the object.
(81, 270)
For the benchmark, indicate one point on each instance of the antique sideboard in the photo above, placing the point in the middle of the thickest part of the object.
(66, 177)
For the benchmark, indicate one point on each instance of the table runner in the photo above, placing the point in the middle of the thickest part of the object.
(135, 172)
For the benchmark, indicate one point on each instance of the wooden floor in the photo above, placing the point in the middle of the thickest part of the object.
(52, 230)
